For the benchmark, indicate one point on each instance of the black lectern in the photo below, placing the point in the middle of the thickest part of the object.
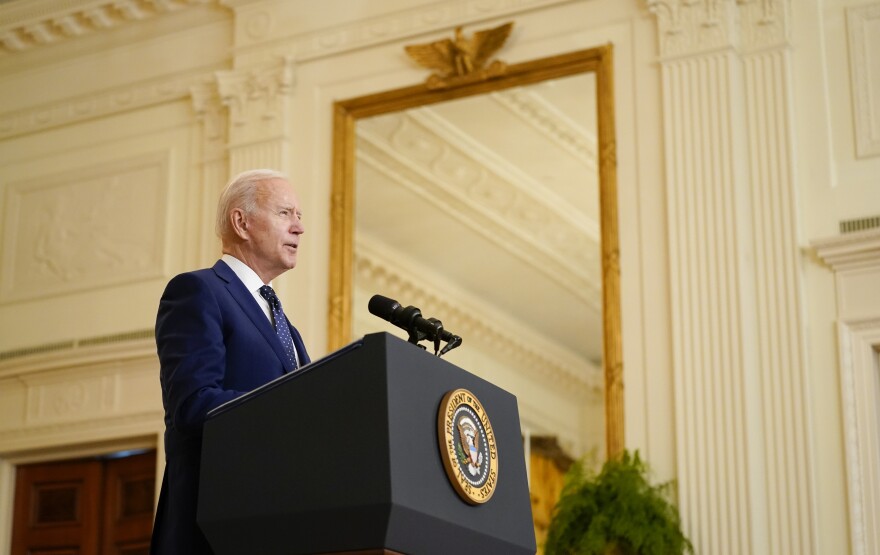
(343, 456)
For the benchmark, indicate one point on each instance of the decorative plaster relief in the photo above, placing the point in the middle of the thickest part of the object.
(375, 265)
(698, 26)
(688, 26)
(25, 25)
(64, 396)
(491, 199)
(211, 113)
(70, 19)
(139, 95)
(863, 26)
(96, 227)
(763, 23)
(255, 98)
(527, 199)
(397, 25)
(560, 128)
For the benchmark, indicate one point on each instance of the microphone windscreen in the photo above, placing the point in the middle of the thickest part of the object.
(383, 307)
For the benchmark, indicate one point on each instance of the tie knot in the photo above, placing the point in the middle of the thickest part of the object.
(269, 294)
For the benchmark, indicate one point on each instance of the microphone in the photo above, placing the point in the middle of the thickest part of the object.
(410, 320)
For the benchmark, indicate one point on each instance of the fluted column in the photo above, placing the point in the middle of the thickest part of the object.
(745, 483)
(212, 116)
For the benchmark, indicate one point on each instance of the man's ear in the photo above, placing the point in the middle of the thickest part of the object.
(239, 222)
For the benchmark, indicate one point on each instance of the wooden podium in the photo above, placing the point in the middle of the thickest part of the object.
(344, 457)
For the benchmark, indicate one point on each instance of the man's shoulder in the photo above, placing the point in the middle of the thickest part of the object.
(213, 276)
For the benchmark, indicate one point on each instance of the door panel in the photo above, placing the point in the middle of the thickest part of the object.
(129, 489)
(56, 509)
(94, 506)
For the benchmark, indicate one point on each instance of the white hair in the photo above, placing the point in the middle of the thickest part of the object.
(241, 192)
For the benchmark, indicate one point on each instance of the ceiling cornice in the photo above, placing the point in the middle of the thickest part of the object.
(376, 262)
(27, 25)
(103, 103)
(561, 248)
(535, 110)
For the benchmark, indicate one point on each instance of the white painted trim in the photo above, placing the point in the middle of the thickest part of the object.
(860, 390)
(866, 106)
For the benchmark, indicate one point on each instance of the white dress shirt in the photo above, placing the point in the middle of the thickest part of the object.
(251, 281)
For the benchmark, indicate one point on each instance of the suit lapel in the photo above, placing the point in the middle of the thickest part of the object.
(249, 306)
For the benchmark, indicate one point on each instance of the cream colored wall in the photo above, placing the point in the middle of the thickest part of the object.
(168, 93)
(835, 184)
(101, 164)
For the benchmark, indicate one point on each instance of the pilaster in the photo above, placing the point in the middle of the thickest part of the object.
(212, 144)
(744, 475)
(258, 102)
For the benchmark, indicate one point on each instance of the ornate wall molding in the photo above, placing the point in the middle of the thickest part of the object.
(257, 98)
(701, 26)
(416, 151)
(859, 345)
(72, 395)
(102, 104)
(58, 20)
(27, 25)
(542, 116)
(851, 251)
(70, 432)
(212, 115)
(99, 226)
(863, 27)
(255, 93)
(366, 32)
(763, 24)
(855, 260)
(79, 352)
(535, 356)
(213, 118)
(744, 461)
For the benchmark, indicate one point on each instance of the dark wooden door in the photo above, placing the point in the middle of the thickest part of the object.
(98, 506)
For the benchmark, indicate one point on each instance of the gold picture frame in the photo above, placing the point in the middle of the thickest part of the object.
(347, 112)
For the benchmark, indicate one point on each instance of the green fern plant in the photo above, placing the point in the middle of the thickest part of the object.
(615, 512)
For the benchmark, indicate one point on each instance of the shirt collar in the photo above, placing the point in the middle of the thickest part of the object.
(248, 277)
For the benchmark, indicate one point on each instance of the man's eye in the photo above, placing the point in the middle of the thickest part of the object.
(285, 212)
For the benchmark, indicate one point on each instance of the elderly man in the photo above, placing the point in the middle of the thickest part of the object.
(220, 332)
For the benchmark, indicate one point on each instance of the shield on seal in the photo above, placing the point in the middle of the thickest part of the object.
(470, 437)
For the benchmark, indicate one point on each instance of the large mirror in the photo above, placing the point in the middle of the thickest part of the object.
(491, 205)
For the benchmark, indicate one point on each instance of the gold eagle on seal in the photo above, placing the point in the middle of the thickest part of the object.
(462, 59)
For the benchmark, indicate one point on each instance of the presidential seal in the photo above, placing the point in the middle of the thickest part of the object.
(467, 446)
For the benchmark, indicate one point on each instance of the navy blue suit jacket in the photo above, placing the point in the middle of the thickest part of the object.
(214, 343)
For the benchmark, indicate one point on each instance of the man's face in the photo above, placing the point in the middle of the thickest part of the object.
(274, 230)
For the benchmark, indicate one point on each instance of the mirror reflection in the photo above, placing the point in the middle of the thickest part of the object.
(497, 195)
(491, 207)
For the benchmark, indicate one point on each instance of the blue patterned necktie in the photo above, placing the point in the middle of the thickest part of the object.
(280, 324)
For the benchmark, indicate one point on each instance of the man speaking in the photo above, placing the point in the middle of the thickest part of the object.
(221, 332)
